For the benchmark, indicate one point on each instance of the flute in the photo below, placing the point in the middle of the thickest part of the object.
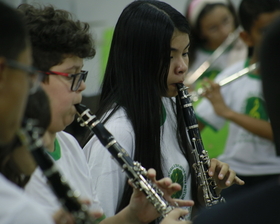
(195, 95)
(232, 37)
(30, 135)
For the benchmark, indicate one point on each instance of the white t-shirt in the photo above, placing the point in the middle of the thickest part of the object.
(108, 176)
(246, 153)
(16, 207)
(73, 166)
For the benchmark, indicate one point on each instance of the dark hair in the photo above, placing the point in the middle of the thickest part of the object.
(54, 34)
(136, 77)
(250, 10)
(37, 108)
(13, 38)
(195, 36)
(270, 67)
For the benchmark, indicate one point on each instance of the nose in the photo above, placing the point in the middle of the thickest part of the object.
(182, 66)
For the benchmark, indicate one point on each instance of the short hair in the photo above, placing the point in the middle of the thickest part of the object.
(13, 38)
(55, 34)
(250, 10)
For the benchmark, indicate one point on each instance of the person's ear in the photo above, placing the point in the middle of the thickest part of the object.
(247, 39)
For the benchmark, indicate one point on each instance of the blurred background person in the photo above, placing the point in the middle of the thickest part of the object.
(212, 21)
(261, 203)
(249, 149)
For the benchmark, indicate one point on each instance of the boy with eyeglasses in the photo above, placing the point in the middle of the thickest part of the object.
(59, 46)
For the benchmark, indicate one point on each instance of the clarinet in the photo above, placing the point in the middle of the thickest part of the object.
(135, 172)
(201, 158)
(30, 135)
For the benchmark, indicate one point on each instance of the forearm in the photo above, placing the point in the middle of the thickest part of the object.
(125, 216)
(258, 127)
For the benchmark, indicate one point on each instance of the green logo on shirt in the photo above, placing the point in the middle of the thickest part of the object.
(178, 175)
(255, 108)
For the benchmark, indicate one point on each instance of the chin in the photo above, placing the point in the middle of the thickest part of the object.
(171, 93)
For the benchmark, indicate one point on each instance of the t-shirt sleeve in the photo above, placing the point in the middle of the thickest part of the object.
(205, 112)
(206, 115)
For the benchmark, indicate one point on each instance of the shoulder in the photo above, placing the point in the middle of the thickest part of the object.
(119, 126)
(64, 137)
(118, 121)
(70, 148)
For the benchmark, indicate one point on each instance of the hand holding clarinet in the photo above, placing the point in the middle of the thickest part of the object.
(212, 175)
(145, 208)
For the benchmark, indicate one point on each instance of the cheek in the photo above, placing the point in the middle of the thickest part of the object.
(170, 72)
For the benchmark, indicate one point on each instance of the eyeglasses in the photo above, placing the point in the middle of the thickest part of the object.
(35, 77)
(77, 78)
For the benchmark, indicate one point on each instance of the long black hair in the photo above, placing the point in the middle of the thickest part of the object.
(136, 78)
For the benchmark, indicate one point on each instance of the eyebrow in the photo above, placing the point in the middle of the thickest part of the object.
(174, 49)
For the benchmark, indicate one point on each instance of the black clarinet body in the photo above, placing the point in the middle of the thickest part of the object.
(30, 135)
(201, 158)
(135, 172)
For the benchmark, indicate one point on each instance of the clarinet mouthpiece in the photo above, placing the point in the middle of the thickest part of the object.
(80, 108)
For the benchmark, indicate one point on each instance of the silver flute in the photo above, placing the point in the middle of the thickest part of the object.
(232, 37)
(195, 95)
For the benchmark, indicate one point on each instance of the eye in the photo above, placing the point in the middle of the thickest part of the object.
(213, 28)
(186, 54)
(226, 20)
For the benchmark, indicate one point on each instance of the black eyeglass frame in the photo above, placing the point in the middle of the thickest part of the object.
(83, 76)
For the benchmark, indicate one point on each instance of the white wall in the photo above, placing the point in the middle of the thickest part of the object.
(101, 14)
